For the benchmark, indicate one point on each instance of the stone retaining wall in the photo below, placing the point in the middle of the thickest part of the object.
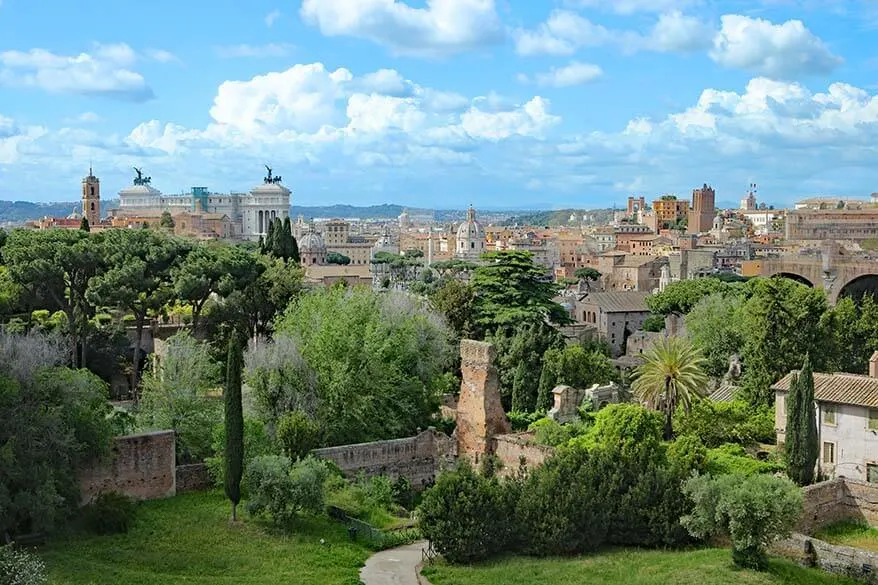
(841, 560)
(839, 499)
(141, 467)
(517, 450)
(419, 458)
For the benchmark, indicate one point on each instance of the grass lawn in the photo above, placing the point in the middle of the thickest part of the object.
(188, 539)
(630, 567)
(850, 534)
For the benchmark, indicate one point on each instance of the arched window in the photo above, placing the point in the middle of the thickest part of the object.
(260, 223)
(92, 205)
(92, 191)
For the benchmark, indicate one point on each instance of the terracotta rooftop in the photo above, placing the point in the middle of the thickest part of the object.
(839, 388)
(618, 302)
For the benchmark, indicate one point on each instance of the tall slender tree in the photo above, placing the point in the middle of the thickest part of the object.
(234, 416)
(801, 431)
(83, 224)
(269, 237)
(672, 374)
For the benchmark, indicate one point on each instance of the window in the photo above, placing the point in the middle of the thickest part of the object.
(872, 423)
(829, 453)
(830, 415)
(872, 472)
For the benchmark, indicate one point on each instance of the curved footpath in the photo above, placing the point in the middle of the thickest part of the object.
(395, 566)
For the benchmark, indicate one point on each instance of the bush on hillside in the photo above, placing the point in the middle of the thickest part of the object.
(109, 513)
(466, 516)
(716, 423)
(282, 489)
(752, 511)
(733, 459)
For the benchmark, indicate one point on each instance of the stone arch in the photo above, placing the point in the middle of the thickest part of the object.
(797, 277)
(859, 286)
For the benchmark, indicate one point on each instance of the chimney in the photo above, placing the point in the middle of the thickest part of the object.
(873, 365)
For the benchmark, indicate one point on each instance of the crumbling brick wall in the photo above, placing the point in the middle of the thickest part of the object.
(480, 414)
(141, 467)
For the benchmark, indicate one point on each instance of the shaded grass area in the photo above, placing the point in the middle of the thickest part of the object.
(710, 566)
(855, 534)
(188, 539)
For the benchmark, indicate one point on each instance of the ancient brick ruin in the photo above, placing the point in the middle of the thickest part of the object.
(142, 467)
(480, 414)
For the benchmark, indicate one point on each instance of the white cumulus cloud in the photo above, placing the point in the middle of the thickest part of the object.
(627, 7)
(443, 27)
(563, 33)
(784, 51)
(106, 71)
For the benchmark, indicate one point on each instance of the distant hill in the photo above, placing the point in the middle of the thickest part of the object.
(22, 211)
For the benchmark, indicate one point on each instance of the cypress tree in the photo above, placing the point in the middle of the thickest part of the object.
(83, 225)
(234, 417)
(261, 245)
(795, 458)
(278, 244)
(288, 239)
(294, 249)
(808, 412)
(269, 238)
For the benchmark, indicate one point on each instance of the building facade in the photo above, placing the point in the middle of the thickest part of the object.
(615, 315)
(669, 211)
(250, 213)
(847, 422)
(831, 224)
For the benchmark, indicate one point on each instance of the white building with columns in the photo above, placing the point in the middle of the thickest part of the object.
(250, 213)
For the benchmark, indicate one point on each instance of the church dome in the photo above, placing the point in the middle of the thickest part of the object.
(312, 241)
(75, 215)
(385, 243)
(471, 229)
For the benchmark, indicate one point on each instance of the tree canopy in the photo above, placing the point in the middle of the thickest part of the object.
(510, 289)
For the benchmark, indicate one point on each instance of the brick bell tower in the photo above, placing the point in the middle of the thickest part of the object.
(91, 198)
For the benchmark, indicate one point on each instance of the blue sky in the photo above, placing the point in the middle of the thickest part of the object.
(441, 103)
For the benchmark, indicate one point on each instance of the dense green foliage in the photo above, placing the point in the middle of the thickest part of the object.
(55, 420)
(575, 366)
(467, 516)
(297, 434)
(713, 325)
(510, 290)
(734, 459)
(234, 423)
(850, 533)
(801, 447)
(752, 511)
(454, 299)
(520, 352)
(716, 423)
(364, 366)
(109, 513)
(282, 489)
(681, 296)
(181, 392)
(615, 484)
(336, 258)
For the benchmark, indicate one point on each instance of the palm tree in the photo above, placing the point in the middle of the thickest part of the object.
(672, 374)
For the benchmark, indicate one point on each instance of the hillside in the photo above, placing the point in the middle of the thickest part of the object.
(561, 217)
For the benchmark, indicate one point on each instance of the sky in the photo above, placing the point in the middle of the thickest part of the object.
(442, 103)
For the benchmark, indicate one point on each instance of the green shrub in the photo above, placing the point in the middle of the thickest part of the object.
(297, 434)
(128, 319)
(716, 423)
(445, 425)
(466, 516)
(561, 506)
(395, 538)
(110, 513)
(19, 567)
(548, 432)
(520, 421)
(281, 489)
(654, 323)
(256, 443)
(403, 494)
(729, 458)
(752, 511)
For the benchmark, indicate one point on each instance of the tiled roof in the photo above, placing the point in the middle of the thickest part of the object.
(618, 302)
(725, 393)
(839, 388)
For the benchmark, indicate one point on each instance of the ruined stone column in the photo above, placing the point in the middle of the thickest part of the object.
(480, 414)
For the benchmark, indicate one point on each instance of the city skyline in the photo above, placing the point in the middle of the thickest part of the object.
(443, 103)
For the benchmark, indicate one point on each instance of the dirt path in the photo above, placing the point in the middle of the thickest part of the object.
(396, 566)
